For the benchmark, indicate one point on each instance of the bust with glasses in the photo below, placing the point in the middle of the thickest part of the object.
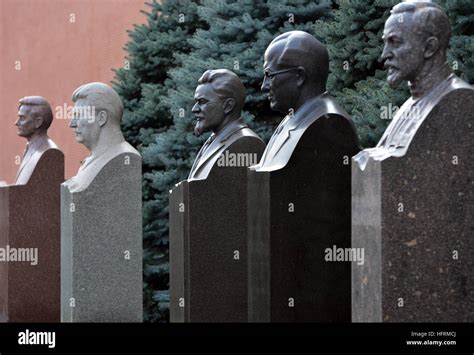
(296, 67)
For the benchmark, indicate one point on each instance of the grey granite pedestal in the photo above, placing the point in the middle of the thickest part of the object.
(101, 246)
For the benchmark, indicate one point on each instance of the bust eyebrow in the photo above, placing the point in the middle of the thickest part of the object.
(199, 98)
(390, 36)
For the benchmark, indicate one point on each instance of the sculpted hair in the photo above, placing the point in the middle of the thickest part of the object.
(302, 49)
(102, 98)
(39, 107)
(430, 18)
(226, 84)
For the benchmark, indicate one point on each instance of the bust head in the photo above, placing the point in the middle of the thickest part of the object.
(416, 37)
(296, 67)
(34, 116)
(98, 111)
(219, 99)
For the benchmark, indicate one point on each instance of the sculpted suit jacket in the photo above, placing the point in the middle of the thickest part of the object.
(34, 151)
(291, 129)
(91, 166)
(215, 145)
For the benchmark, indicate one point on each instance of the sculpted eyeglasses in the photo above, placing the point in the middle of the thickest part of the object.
(270, 75)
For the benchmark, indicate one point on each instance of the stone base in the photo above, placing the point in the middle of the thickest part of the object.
(294, 215)
(414, 217)
(208, 245)
(29, 218)
(101, 246)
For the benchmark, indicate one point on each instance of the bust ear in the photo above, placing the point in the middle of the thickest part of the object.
(38, 121)
(431, 47)
(101, 118)
(229, 105)
(300, 75)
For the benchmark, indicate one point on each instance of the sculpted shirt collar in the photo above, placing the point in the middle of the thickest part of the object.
(34, 148)
(290, 125)
(303, 112)
(35, 143)
(91, 158)
(214, 144)
(227, 131)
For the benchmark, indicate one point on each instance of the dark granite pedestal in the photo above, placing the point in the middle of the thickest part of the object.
(413, 215)
(101, 246)
(30, 220)
(294, 215)
(208, 242)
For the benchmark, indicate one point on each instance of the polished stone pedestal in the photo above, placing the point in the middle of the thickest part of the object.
(208, 243)
(29, 224)
(414, 216)
(294, 215)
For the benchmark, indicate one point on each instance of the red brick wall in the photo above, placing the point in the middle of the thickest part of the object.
(56, 56)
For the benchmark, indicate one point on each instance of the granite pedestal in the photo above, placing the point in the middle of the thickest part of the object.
(294, 215)
(208, 242)
(101, 246)
(29, 224)
(413, 215)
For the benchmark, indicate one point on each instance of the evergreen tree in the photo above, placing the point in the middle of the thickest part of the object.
(141, 85)
(461, 51)
(354, 41)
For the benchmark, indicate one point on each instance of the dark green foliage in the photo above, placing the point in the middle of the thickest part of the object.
(184, 38)
(151, 49)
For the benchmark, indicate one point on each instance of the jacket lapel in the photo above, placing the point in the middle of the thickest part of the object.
(308, 111)
(26, 158)
(205, 154)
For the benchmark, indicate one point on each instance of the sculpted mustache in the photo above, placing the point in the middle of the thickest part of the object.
(388, 65)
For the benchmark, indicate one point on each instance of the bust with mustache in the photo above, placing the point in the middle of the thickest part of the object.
(219, 101)
(416, 37)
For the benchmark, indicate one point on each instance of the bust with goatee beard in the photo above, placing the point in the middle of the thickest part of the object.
(219, 100)
(416, 37)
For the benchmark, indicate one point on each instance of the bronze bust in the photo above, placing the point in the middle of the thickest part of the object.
(219, 100)
(296, 68)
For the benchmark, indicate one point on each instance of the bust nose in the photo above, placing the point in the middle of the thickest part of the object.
(386, 54)
(265, 85)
